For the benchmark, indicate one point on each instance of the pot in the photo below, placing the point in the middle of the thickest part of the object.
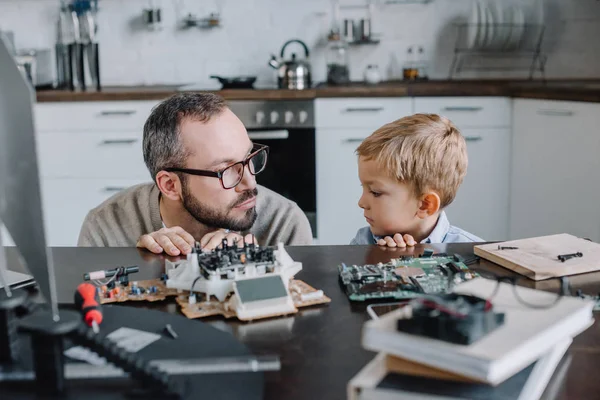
(236, 82)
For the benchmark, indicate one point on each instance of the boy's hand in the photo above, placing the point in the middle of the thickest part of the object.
(397, 241)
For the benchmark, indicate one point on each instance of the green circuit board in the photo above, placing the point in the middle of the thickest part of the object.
(403, 278)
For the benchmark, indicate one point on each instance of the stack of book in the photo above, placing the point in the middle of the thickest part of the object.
(515, 361)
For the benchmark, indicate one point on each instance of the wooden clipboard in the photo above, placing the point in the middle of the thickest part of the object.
(537, 258)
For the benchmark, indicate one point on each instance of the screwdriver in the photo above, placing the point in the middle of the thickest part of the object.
(87, 301)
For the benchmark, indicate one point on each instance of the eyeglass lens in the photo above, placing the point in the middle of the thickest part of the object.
(234, 174)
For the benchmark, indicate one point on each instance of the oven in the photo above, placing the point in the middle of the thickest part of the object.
(288, 128)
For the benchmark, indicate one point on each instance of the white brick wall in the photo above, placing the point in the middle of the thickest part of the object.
(253, 29)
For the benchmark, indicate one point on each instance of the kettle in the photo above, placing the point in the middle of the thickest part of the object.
(292, 74)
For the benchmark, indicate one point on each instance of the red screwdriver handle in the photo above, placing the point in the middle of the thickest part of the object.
(87, 301)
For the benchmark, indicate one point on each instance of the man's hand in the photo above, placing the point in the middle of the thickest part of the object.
(397, 240)
(173, 241)
(214, 239)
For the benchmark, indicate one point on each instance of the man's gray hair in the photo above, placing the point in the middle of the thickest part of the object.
(162, 147)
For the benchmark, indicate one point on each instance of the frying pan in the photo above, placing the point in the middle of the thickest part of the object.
(236, 82)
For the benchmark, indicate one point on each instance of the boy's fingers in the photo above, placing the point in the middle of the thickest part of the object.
(390, 242)
(381, 242)
(399, 241)
(409, 240)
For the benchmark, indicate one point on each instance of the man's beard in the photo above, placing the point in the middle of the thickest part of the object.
(220, 219)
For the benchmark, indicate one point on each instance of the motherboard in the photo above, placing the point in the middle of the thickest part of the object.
(405, 277)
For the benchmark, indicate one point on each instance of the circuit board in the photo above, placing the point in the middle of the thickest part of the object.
(403, 278)
(302, 294)
(147, 290)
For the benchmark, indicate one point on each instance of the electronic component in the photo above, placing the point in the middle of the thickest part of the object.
(223, 281)
(403, 278)
(454, 318)
(120, 275)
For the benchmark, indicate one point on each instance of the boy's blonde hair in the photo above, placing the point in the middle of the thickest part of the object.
(426, 151)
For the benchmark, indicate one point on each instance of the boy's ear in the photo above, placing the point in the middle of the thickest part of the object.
(429, 205)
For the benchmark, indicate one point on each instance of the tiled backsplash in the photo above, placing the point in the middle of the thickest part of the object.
(254, 29)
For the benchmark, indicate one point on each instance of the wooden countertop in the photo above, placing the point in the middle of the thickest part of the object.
(588, 91)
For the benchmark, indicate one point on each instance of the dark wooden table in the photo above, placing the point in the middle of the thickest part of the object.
(319, 346)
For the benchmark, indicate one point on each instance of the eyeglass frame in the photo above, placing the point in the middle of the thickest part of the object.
(219, 173)
(564, 290)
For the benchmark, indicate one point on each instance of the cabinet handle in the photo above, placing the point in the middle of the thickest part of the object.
(353, 140)
(464, 108)
(269, 135)
(119, 141)
(114, 188)
(363, 109)
(556, 113)
(473, 138)
(117, 112)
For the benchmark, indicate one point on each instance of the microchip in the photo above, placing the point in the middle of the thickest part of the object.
(427, 253)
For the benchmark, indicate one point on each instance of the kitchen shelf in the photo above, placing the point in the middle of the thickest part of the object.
(364, 42)
(386, 3)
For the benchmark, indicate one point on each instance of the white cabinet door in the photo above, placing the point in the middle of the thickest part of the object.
(555, 183)
(91, 155)
(67, 202)
(93, 116)
(368, 113)
(468, 112)
(338, 186)
(481, 205)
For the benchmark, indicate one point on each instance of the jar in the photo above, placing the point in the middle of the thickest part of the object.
(338, 71)
(372, 74)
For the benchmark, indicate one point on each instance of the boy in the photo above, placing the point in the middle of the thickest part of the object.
(410, 170)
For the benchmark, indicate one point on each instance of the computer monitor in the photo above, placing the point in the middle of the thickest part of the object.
(20, 194)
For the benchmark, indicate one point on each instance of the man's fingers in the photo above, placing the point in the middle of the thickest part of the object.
(381, 242)
(409, 240)
(166, 244)
(179, 242)
(250, 239)
(206, 238)
(214, 241)
(148, 242)
(399, 240)
(185, 235)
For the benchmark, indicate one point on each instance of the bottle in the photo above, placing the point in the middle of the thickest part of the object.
(410, 71)
(421, 64)
(338, 71)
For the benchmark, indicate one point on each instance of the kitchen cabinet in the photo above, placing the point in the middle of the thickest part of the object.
(555, 164)
(341, 125)
(87, 152)
(481, 206)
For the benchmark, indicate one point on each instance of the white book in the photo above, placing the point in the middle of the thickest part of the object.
(527, 333)
(375, 382)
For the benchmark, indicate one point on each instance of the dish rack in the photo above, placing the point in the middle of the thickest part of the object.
(499, 47)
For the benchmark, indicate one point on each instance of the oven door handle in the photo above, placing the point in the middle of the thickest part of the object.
(269, 135)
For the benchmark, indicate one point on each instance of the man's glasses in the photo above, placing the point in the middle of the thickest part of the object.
(233, 174)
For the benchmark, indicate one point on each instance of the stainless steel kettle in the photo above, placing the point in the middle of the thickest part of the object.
(292, 74)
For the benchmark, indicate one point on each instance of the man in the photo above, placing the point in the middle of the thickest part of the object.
(203, 165)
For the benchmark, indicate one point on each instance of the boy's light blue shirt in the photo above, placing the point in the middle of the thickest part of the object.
(442, 233)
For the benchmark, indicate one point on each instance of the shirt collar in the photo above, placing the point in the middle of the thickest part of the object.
(437, 235)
